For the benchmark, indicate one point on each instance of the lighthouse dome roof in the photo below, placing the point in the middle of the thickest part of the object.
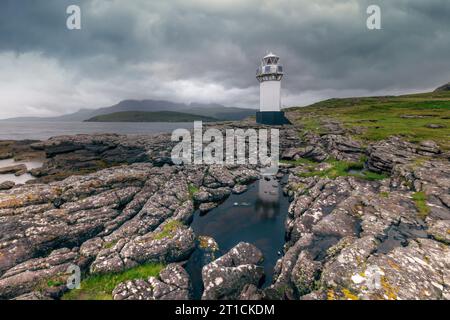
(270, 59)
(270, 55)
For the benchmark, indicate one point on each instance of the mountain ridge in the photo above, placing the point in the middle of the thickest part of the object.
(212, 110)
(146, 116)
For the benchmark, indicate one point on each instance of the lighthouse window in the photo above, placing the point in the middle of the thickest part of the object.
(280, 69)
(267, 69)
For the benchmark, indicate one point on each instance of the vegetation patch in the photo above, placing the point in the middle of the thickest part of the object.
(299, 162)
(281, 290)
(51, 282)
(372, 176)
(109, 245)
(378, 118)
(192, 189)
(168, 230)
(100, 287)
(55, 283)
(384, 194)
(343, 169)
(420, 199)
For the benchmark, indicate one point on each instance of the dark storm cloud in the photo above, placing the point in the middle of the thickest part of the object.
(208, 51)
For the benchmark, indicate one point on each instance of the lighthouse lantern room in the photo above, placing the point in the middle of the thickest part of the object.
(269, 75)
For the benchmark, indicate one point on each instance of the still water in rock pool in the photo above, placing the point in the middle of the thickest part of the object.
(256, 216)
(18, 178)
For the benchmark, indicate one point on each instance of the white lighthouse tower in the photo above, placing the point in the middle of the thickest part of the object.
(269, 75)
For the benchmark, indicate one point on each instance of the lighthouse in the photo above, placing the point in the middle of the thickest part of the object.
(269, 75)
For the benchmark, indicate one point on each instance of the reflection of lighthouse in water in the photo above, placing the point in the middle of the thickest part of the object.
(267, 203)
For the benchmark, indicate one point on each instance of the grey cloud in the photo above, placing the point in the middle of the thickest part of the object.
(208, 50)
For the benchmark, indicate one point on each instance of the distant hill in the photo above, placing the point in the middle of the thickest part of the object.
(143, 116)
(445, 87)
(216, 111)
(415, 117)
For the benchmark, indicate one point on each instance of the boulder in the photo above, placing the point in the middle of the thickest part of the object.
(417, 271)
(305, 272)
(173, 283)
(290, 153)
(251, 292)
(7, 185)
(173, 243)
(226, 277)
(15, 169)
(342, 147)
(208, 206)
(387, 153)
(428, 147)
(212, 195)
(47, 275)
(434, 126)
(239, 188)
(440, 230)
(313, 152)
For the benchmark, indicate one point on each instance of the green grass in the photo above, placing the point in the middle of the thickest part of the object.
(192, 189)
(384, 194)
(381, 117)
(420, 199)
(299, 161)
(54, 283)
(342, 169)
(168, 230)
(338, 169)
(109, 245)
(371, 176)
(100, 287)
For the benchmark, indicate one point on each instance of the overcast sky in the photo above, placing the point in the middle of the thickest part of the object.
(208, 51)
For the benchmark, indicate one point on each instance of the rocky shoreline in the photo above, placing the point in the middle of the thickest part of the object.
(109, 203)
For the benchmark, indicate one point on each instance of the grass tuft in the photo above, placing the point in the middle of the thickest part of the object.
(100, 287)
(343, 169)
(192, 189)
(168, 230)
(420, 199)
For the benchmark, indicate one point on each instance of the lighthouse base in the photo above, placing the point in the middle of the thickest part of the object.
(275, 118)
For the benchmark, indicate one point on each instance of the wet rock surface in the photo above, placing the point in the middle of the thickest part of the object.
(107, 221)
(349, 238)
(46, 275)
(19, 150)
(16, 169)
(86, 153)
(108, 203)
(7, 185)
